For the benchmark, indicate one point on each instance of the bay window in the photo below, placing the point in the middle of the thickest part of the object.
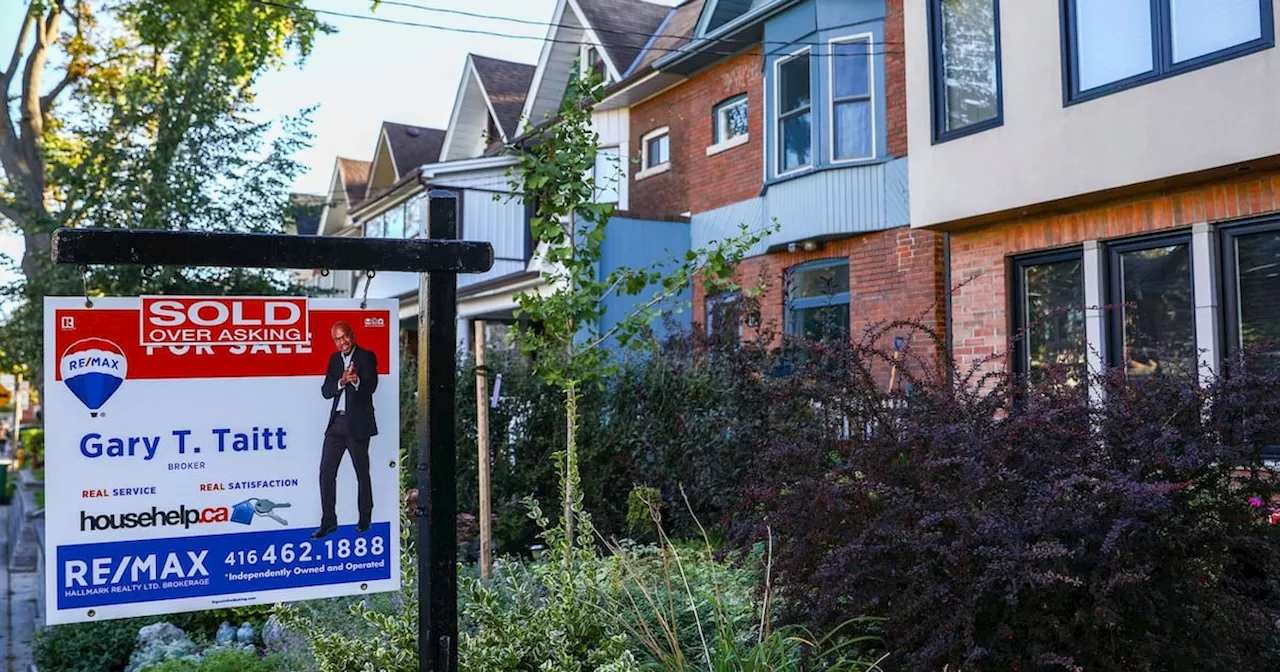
(794, 99)
(852, 109)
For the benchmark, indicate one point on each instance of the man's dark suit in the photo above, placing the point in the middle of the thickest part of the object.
(348, 432)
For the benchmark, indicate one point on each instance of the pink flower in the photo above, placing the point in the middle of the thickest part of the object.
(1274, 518)
(1255, 502)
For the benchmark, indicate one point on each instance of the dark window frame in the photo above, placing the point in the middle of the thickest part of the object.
(1017, 307)
(1113, 286)
(938, 89)
(1163, 66)
(806, 303)
(1229, 284)
(716, 127)
(725, 299)
(1229, 287)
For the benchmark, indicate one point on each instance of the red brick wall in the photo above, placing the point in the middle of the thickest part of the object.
(894, 274)
(980, 317)
(697, 182)
(895, 79)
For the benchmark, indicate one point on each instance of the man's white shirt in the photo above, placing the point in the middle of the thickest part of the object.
(342, 389)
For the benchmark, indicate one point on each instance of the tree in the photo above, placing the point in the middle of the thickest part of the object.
(562, 331)
(139, 118)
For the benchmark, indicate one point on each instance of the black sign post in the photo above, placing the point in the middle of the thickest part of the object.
(438, 260)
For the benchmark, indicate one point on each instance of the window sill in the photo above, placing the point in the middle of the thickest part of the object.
(729, 144)
(811, 169)
(656, 170)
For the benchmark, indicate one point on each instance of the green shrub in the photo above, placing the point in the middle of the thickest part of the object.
(105, 646)
(32, 440)
(222, 660)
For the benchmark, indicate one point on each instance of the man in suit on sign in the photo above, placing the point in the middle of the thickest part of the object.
(350, 381)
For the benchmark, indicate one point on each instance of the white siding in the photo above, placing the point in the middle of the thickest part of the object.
(614, 129)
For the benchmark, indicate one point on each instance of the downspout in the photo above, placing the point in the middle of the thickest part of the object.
(948, 331)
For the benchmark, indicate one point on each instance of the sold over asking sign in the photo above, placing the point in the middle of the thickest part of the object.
(208, 452)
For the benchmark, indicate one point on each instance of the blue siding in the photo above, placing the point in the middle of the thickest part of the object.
(821, 204)
(637, 243)
(817, 22)
(713, 226)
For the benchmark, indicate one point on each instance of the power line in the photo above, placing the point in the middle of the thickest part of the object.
(609, 31)
(490, 33)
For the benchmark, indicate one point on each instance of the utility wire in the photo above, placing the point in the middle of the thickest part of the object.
(609, 31)
(490, 33)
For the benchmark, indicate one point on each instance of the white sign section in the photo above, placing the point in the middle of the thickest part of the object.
(207, 473)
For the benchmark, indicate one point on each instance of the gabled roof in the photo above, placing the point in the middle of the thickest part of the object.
(355, 178)
(720, 12)
(489, 88)
(675, 33)
(623, 27)
(412, 146)
(506, 84)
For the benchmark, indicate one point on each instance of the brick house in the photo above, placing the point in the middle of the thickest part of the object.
(1109, 180)
(790, 112)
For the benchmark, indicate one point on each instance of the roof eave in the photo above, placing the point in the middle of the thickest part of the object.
(694, 56)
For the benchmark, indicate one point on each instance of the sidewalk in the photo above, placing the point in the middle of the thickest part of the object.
(17, 610)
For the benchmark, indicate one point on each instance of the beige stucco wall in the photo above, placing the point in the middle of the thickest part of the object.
(1215, 116)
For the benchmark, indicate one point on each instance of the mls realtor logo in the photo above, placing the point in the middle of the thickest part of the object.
(93, 369)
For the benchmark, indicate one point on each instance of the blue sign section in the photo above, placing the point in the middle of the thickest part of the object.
(125, 572)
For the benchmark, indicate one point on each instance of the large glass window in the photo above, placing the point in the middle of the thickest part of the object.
(1114, 44)
(723, 318)
(730, 119)
(795, 113)
(394, 222)
(966, 66)
(818, 300)
(608, 174)
(1253, 286)
(1049, 317)
(1153, 306)
(415, 217)
(375, 227)
(852, 112)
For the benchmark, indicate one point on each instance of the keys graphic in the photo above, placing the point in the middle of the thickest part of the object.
(266, 507)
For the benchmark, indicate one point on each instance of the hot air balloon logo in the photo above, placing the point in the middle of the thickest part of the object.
(93, 369)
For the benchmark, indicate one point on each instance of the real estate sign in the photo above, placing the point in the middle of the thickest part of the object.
(208, 452)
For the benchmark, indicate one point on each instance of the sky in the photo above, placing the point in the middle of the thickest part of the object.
(369, 72)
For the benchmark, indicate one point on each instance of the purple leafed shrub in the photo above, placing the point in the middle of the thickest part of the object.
(1005, 527)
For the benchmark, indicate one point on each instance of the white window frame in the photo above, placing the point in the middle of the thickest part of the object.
(645, 169)
(870, 39)
(777, 113)
(621, 177)
(719, 121)
(584, 64)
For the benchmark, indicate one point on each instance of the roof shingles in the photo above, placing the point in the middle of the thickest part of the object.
(507, 84)
(413, 146)
(624, 27)
(355, 179)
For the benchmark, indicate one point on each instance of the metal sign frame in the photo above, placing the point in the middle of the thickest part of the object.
(438, 259)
